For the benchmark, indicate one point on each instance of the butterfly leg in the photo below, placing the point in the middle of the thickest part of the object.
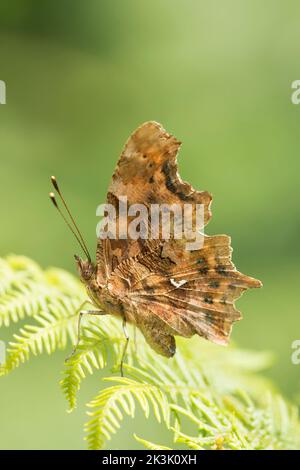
(81, 313)
(125, 347)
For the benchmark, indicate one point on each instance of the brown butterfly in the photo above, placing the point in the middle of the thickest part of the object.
(158, 284)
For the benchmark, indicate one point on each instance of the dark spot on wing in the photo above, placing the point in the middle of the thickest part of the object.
(214, 284)
(209, 316)
(221, 270)
(152, 199)
(203, 270)
(149, 289)
(208, 300)
(184, 197)
(151, 180)
(170, 182)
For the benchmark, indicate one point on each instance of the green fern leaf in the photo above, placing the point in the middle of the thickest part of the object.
(51, 332)
(26, 291)
(101, 342)
(150, 445)
(110, 405)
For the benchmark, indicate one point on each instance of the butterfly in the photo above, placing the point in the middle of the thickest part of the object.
(157, 284)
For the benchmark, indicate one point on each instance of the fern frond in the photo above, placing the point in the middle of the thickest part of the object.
(6, 276)
(26, 290)
(192, 397)
(112, 403)
(51, 332)
(150, 445)
(271, 424)
(101, 343)
(239, 423)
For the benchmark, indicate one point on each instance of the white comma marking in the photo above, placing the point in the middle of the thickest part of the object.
(179, 283)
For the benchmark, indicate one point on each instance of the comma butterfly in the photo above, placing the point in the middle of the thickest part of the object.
(157, 284)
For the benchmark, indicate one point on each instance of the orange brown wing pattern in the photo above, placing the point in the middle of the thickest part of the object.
(168, 295)
(146, 173)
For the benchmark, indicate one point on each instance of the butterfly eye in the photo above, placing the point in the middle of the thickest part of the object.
(144, 156)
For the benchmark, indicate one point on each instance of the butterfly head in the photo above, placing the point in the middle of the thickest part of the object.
(86, 269)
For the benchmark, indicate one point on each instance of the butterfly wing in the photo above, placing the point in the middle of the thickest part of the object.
(185, 293)
(146, 173)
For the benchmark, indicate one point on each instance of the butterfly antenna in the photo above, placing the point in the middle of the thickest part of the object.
(53, 199)
(55, 184)
(76, 232)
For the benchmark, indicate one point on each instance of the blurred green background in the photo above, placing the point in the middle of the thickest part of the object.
(81, 76)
